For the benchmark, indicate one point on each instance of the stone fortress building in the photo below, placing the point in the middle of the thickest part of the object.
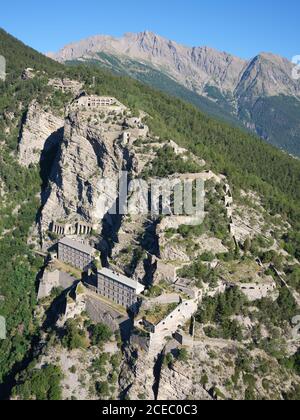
(98, 102)
(118, 288)
(75, 254)
(66, 85)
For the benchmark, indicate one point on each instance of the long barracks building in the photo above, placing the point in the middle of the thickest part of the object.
(118, 288)
(75, 253)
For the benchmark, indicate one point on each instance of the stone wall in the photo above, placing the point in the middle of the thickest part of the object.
(154, 340)
(41, 132)
(53, 279)
(185, 340)
(74, 306)
(69, 228)
(255, 291)
(179, 316)
(66, 85)
(183, 286)
(164, 299)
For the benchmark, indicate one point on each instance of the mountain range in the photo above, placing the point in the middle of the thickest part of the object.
(259, 94)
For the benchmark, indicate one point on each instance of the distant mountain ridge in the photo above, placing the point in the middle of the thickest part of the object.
(257, 93)
(197, 66)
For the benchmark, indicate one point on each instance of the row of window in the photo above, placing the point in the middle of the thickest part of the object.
(112, 288)
(75, 258)
(116, 293)
(71, 251)
(74, 255)
(119, 300)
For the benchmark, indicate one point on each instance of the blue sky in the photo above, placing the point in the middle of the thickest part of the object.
(241, 27)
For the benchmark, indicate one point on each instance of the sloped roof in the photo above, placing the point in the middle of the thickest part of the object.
(133, 284)
(77, 245)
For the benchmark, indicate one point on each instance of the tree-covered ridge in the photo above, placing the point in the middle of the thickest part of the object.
(19, 204)
(19, 57)
(167, 163)
(40, 384)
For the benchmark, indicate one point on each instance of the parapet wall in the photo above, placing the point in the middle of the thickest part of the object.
(256, 291)
(179, 316)
(53, 279)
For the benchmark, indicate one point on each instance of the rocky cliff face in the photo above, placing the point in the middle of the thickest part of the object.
(97, 145)
(90, 155)
(178, 383)
(41, 131)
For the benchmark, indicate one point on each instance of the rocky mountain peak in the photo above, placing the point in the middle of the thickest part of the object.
(268, 75)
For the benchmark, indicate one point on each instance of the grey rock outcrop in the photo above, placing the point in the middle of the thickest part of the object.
(177, 384)
(265, 76)
(87, 155)
(86, 172)
(41, 131)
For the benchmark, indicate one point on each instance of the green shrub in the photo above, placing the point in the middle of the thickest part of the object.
(102, 389)
(100, 334)
(74, 337)
(182, 355)
(40, 384)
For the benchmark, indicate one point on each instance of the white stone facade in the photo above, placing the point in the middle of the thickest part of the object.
(256, 291)
(69, 228)
(99, 102)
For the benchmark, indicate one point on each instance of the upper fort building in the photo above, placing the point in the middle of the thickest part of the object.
(98, 102)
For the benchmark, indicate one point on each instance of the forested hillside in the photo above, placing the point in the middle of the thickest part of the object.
(248, 163)
(19, 203)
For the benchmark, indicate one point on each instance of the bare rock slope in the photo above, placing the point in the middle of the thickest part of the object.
(194, 67)
(41, 131)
